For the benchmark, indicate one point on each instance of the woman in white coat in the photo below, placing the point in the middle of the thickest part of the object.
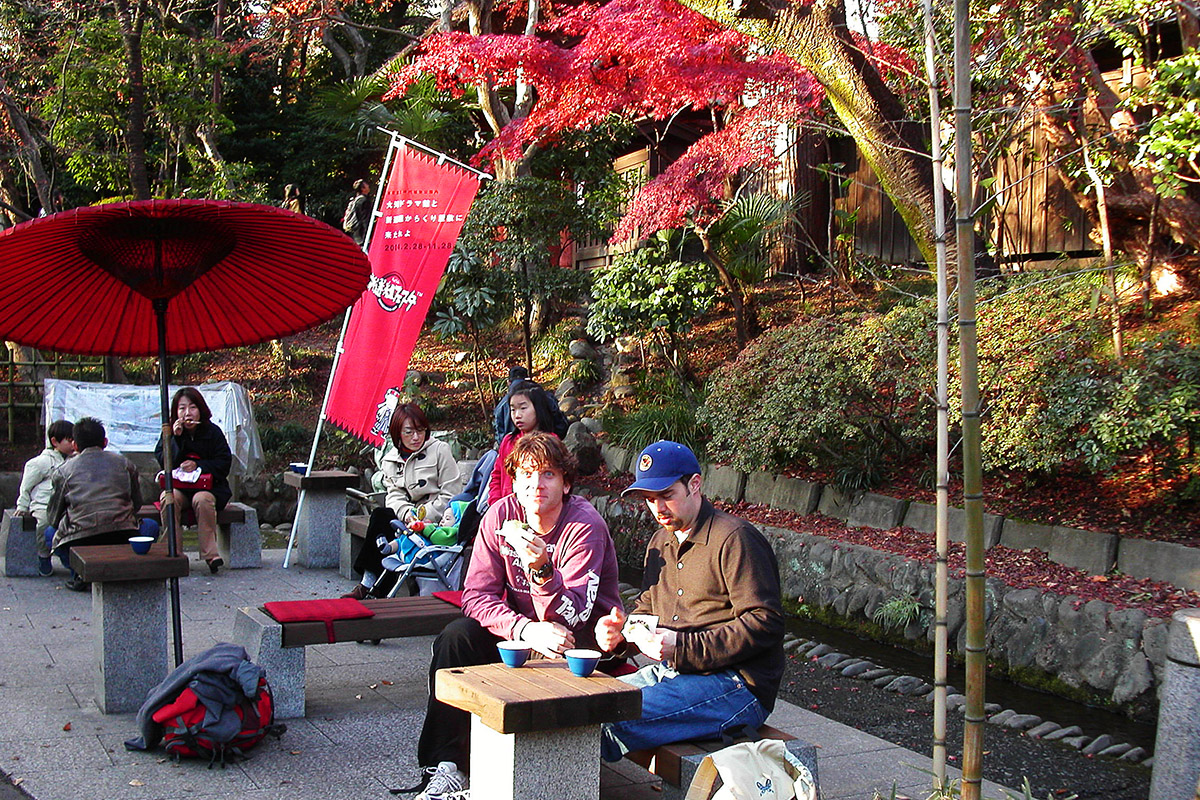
(420, 476)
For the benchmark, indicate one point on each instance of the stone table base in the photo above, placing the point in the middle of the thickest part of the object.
(537, 765)
(130, 642)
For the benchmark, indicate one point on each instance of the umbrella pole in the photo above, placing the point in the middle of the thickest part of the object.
(168, 503)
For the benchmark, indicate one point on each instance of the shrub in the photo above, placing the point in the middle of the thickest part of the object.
(1038, 338)
(668, 413)
(841, 393)
(651, 292)
(284, 439)
(1151, 404)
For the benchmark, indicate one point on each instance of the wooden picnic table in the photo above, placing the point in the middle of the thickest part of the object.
(535, 730)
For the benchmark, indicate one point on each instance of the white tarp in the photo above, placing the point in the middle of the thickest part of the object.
(132, 415)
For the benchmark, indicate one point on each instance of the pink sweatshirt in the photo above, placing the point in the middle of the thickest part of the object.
(583, 588)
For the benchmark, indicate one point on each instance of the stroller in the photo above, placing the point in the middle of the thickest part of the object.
(432, 556)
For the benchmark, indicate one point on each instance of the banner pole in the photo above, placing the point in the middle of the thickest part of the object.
(337, 355)
(441, 156)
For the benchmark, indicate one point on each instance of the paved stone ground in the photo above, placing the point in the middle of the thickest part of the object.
(365, 705)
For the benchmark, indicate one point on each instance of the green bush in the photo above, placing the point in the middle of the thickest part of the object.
(842, 393)
(1038, 374)
(285, 438)
(668, 411)
(1152, 404)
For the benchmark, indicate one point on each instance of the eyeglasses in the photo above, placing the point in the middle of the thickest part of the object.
(410, 431)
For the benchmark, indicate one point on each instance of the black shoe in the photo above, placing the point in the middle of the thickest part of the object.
(215, 565)
(77, 584)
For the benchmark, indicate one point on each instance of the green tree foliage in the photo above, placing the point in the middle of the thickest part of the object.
(521, 223)
(1170, 147)
(471, 299)
(735, 244)
(651, 291)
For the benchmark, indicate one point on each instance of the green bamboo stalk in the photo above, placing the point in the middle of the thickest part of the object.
(976, 656)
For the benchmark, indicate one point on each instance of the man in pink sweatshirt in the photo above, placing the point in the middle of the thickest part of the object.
(543, 571)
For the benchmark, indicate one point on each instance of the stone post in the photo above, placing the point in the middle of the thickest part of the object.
(1177, 744)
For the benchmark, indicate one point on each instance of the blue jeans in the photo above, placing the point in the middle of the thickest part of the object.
(678, 708)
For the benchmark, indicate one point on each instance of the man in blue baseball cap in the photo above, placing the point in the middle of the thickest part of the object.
(715, 630)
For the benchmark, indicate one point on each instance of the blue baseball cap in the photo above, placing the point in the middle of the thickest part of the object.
(660, 465)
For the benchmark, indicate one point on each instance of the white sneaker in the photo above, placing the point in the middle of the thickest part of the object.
(446, 782)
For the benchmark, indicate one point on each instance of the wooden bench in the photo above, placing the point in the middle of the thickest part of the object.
(238, 537)
(278, 647)
(677, 763)
(129, 619)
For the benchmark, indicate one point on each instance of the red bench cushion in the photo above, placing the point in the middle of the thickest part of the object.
(318, 610)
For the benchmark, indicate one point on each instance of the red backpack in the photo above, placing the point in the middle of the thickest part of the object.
(184, 734)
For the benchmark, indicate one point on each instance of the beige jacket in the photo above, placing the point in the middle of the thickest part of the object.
(428, 477)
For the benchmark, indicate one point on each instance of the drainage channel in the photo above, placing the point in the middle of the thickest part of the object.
(1094, 721)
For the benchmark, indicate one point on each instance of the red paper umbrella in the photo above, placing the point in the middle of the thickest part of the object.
(85, 280)
(170, 277)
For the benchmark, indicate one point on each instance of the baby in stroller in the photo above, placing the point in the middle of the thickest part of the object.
(431, 555)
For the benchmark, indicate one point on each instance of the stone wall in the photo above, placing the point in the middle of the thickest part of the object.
(1110, 654)
(1091, 551)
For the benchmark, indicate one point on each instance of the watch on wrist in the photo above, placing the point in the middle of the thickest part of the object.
(542, 573)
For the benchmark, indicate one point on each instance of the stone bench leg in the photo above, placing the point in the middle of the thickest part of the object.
(348, 551)
(240, 543)
(262, 638)
(804, 752)
(129, 641)
(20, 545)
(530, 766)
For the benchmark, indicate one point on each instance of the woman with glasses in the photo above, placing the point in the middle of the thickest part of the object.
(420, 477)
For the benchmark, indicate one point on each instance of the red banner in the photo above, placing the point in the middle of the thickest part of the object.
(418, 220)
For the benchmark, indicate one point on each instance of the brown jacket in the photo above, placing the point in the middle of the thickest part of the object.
(95, 492)
(720, 591)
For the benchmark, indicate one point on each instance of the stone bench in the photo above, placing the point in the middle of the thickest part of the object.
(677, 763)
(129, 619)
(278, 647)
(20, 545)
(354, 533)
(238, 538)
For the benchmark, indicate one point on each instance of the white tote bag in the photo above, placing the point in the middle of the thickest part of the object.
(762, 770)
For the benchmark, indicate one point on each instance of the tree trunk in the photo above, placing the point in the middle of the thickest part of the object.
(816, 35)
(732, 289)
(29, 153)
(131, 22)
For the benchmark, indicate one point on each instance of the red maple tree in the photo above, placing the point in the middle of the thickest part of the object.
(638, 59)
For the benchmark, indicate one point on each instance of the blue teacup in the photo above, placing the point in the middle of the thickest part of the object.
(582, 662)
(141, 544)
(513, 654)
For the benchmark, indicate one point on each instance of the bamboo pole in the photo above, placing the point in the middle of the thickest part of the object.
(942, 486)
(976, 656)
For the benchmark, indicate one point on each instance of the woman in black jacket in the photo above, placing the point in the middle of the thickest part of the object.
(198, 448)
